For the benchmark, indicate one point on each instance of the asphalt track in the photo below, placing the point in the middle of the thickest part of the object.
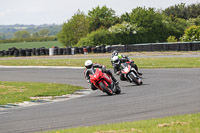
(165, 92)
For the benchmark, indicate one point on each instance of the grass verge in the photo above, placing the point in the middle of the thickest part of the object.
(171, 62)
(174, 124)
(13, 92)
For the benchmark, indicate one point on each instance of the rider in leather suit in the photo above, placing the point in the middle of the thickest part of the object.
(124, 58)
(90, 69)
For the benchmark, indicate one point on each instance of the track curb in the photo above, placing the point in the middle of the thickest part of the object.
(52, 67)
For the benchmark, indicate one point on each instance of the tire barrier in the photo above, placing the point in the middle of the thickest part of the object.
(186, 46)
(55, 52)
(103, 49)
(34, 51)
(108, 49)
(80, 51)
(68, 51)
(94, 50)
(76, 50)
(98, 50)
(85, 50)
(89, 49)
(60, 51)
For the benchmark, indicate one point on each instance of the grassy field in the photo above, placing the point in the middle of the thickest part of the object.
(12, 92)
(175, 124)
(171, 62)
(24, 45)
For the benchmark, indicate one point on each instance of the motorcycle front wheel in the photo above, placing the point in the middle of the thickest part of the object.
(105, 88)
(134, 79)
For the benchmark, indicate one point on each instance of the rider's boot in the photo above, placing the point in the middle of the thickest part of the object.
(140, 73)
(115, 80)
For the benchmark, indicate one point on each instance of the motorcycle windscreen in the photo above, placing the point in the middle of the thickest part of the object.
(97, 75)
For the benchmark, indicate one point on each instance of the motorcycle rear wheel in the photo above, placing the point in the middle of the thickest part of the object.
(118, 90)
(106, 89)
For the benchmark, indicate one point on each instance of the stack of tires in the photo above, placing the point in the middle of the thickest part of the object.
(89, 49)
(42, 51)
(108, 49)
(16, 53)
(60, 51)
(68, 51)
(28, 52)
(38, 52)
(34, 51)
(2, 53)
(11, 51)
(80, 51)
(103, 49)
(98, 50)
(55, 52)
(94, 50)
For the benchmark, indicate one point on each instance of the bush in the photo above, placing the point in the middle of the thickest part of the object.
(96, 38)
(171, 39)
(33, 39)
(127, 33)
(192, 34)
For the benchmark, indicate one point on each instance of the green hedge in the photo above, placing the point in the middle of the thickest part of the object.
(37, 39)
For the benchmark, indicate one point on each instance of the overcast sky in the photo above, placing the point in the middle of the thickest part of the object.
(59, 11)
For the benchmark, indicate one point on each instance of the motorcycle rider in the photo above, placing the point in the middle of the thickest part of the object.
(117, 67)
(124, 58)
(90, 69)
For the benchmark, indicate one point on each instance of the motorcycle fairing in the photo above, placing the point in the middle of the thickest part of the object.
(99, 77)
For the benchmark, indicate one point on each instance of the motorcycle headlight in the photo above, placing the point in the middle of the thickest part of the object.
(126, 69)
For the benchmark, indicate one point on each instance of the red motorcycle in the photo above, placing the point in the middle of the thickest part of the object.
(104, 82)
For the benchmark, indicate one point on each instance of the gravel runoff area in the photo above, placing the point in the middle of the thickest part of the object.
(108, 55)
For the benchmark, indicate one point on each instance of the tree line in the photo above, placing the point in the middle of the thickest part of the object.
(26, 36)
(12, 32)
(141, 25)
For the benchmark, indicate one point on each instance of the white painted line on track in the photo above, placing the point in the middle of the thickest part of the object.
(4, 113)
(53, 67)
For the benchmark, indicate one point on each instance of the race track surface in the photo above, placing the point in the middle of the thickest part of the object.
(165, 92)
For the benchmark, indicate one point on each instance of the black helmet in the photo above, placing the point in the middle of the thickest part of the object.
(115, 53)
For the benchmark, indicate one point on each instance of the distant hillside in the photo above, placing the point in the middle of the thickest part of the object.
(7, 31)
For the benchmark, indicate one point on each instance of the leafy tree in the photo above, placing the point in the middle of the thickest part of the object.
(183, 11)
(194, 21)
(44, 33)
(74, 29)
(101, 17)
(175, 26)
(36, 34)
(151, 21)
(125, 33)
(22, 34)
(192, 34)
(125, 17)
(2, 36)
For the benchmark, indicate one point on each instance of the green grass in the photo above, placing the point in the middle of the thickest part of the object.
(25, 45)
(12, 92)
(174, 124)
(171, 62)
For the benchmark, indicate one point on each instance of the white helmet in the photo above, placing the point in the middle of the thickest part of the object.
(116, 60)
(115, 53)
(88, 64)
